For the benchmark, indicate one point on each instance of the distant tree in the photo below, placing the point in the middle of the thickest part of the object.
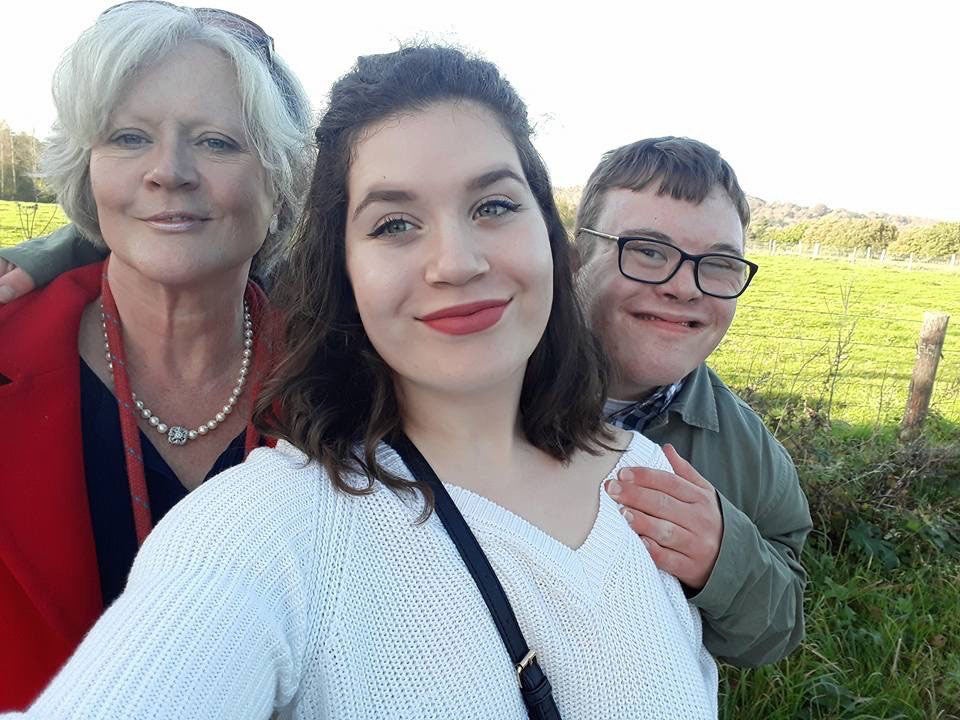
(567, 200)
(8, 166)
(929, 242)
(790, 235)
(759, 231)
(851, 234)
(19, 156)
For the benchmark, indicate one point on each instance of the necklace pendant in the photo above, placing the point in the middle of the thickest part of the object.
(177, 435)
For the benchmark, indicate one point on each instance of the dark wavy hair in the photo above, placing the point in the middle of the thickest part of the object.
(331, 394)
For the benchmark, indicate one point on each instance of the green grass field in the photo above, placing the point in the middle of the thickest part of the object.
(841, 336)
(19, 221)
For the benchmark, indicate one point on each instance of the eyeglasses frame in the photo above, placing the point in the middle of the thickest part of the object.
(622, 241)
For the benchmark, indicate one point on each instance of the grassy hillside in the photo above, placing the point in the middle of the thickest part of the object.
(781, 214)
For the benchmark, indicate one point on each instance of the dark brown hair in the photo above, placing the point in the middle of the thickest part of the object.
(686, 169)
(332, 395)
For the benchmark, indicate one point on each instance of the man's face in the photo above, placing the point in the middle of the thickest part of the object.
(657, 334)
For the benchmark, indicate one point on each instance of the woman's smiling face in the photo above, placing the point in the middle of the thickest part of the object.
(181, 195)
(446, 248)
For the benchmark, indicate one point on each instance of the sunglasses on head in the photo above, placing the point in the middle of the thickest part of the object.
(240, 27)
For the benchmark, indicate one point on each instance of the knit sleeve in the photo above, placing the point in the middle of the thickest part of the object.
(216, 614)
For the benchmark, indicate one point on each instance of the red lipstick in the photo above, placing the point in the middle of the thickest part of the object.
(467, 319)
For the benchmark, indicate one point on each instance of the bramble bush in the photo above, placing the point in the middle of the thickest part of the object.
(883, 591)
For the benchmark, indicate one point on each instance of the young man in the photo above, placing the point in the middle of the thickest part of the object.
(734, 542)
(660, 239)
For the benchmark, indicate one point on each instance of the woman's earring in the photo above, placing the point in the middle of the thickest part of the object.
(274, 224)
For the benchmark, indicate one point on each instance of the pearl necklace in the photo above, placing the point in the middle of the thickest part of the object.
(177, 434)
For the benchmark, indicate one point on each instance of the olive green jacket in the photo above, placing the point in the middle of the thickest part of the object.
(752, 604)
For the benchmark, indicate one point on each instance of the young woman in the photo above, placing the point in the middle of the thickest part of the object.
(429, 297)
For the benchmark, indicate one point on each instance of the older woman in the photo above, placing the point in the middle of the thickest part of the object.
(182, 148)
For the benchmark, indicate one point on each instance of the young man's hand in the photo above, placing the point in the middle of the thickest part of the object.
(677, 515)
(14, 282)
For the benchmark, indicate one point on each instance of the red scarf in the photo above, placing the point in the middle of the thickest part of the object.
(129, 414)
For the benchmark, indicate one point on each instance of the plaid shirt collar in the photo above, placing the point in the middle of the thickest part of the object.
(636, 415)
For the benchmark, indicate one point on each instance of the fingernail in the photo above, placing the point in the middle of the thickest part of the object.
(614, 488)
(626, 475)
(627, 515)
(6, 293)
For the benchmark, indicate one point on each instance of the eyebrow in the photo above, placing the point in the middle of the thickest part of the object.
(489, 178)
(233, 125)
(656, 235)
(382, 196)
(478, 183)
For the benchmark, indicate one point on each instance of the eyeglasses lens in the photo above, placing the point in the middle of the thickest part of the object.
(654, 262)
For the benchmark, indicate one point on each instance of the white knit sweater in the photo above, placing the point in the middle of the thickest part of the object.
(268, 589)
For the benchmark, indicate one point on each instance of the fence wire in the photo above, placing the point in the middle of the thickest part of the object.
(852, 368)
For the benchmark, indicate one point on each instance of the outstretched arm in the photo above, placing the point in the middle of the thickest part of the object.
(213, 623)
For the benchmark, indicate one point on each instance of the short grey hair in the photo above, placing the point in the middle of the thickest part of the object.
(99, 68)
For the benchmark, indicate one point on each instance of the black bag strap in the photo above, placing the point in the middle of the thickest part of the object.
(534, 685)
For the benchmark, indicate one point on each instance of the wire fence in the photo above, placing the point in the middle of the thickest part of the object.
(867, 255)
(853, 368)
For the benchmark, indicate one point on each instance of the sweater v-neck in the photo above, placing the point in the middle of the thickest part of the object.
(583, 569)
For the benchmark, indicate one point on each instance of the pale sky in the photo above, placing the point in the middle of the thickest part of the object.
(848, 103)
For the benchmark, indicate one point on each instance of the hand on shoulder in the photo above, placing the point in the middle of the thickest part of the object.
(677, 515)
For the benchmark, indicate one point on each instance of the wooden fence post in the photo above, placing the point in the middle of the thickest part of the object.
(932, 333)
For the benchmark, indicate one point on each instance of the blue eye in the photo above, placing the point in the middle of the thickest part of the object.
(496, 208)
(392, 226)
(131, 140)
(217, 144)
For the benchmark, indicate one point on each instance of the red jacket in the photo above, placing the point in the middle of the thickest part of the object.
(49, 580)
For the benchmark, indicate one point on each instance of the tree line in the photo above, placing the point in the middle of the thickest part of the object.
(789, 225)
(925, 242)
(19, 156)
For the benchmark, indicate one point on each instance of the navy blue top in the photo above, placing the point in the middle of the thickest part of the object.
(108, 490)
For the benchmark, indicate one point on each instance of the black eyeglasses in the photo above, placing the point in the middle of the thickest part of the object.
(247, 31)
(654, 262)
